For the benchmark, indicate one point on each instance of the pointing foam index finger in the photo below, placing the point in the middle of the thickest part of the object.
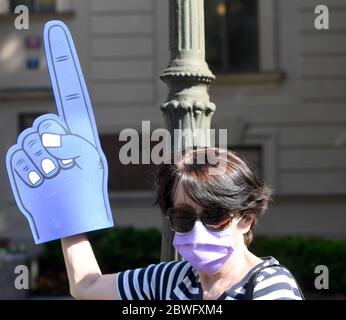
(69, 88)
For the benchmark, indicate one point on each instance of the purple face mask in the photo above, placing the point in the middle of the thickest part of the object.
(207, 251)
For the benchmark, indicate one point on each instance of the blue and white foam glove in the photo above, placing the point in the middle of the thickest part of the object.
(57, 169)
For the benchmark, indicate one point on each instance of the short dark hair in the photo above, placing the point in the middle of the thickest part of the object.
(236, 187)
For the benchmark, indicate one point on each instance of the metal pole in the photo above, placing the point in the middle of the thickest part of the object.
(187, 77)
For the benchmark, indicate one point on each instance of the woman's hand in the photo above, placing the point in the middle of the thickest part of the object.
(84, 274)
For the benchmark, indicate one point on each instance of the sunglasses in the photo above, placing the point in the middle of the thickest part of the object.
(183, 219)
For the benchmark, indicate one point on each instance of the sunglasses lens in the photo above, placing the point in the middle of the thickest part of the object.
(182, 220)
(216, 219)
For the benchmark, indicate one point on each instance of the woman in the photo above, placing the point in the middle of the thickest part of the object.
(212, 206)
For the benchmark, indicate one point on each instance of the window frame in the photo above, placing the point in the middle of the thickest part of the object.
(269, 71)
(267, 37)
(142, 197)
(249, 136)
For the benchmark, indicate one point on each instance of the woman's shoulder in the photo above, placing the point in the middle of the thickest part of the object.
(275, 282)
(272, 267)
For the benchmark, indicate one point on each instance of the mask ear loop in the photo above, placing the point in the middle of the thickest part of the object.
(231, 226)
(241, 217)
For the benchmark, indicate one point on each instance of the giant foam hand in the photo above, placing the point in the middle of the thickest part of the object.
(57, 169)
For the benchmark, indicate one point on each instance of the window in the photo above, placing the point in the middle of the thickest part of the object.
(231, 30)
(35, 6)
(131, 177)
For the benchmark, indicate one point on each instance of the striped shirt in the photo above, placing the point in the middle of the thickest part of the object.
(178, 280)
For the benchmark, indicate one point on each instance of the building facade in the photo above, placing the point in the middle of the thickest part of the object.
(288, 117)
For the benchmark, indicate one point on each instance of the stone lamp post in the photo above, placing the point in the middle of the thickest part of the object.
(187, 77)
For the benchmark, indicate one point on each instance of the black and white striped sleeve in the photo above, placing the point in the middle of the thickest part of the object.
(276, 283)
(149, 283)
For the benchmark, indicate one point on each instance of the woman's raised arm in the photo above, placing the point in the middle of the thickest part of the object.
(84, 274)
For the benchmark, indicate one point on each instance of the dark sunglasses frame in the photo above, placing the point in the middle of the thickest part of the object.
(213, 218)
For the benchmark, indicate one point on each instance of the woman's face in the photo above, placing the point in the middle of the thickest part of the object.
(181, 200)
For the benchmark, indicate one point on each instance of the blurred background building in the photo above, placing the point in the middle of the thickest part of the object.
(279, 90)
